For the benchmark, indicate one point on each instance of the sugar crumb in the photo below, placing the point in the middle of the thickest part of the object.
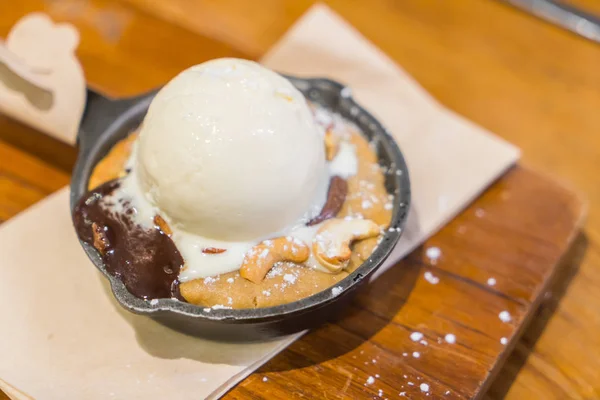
(433, 253)
(416, 354)
(504, 316)
(450, 338)
(491, 281)
(289, 278)
(416, 336)
(336, 290)
(264, 253)
(424, 387)
(370, 380)
(429, 277)
(504, 341)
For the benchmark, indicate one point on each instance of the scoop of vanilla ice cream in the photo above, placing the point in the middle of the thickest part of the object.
(229, 150)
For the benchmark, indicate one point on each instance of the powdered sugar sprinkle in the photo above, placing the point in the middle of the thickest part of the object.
(433, 253)
(289, 278)
(336, 290)
(450, 338)
(429, 277)
(504, 316)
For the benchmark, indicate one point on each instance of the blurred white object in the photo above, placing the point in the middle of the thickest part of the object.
(41, 81)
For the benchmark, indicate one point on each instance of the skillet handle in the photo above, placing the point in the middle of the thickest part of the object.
(100, 112)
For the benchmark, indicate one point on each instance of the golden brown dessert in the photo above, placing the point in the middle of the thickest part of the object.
(286, 281)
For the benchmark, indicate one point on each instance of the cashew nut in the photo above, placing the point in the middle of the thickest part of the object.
(162, 225)
(261, 258)
(332, 144)
(331, 244)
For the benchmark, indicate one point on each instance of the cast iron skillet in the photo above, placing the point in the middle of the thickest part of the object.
(106, 121)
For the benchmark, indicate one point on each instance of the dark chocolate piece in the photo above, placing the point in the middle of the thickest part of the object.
(146, 260)
(336, 195)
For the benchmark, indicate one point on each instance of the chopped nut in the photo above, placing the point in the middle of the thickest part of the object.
(332, 144)
(162, 225)
(101, 242)
(213, 250)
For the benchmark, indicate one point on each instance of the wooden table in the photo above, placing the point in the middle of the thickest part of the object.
(531, 83)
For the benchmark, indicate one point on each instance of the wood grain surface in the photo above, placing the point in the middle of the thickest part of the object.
(504, 235)
(526, 80)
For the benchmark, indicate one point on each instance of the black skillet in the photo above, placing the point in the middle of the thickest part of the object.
(107, 121)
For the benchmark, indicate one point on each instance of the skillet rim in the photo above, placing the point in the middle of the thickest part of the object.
(105, 118)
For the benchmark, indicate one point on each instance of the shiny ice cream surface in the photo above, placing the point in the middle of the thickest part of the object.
(230, 151)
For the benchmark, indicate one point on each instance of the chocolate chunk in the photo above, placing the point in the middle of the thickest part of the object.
(146, 260)
(336, 195)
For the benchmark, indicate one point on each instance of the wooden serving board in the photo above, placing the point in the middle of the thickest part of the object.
(527, 225)
(516, 233)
